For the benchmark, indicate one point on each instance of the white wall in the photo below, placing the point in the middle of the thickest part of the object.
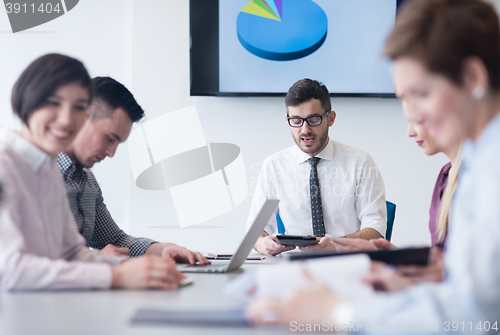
(96, 32)
(145, 44)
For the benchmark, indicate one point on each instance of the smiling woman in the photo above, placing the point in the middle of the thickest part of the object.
(52, 127)
(51, 98)
(40, 246)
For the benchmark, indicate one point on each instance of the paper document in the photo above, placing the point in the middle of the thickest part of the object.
(342, 275)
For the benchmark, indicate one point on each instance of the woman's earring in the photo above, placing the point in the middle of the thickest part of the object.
(478, 93)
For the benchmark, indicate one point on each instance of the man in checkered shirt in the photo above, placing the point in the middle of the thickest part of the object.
(111, 114)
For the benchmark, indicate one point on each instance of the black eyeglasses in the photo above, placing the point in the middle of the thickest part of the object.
(312, 121)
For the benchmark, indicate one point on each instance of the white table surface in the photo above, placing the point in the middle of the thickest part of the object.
(110, 311)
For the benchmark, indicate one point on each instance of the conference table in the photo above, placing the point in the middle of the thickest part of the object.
(110, 311)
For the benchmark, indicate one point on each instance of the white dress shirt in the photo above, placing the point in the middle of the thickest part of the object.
(40, 247)
(470, 294)
(352, 191)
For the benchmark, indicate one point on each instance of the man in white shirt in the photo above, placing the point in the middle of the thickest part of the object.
(325, 187)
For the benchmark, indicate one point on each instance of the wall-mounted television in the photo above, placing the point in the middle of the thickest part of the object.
(261, 47)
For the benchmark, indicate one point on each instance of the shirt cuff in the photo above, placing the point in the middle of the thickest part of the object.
(114, 260)
(92, 275)
(343, 313)
(139, 247)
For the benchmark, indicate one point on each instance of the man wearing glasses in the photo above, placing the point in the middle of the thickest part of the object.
(325, 187)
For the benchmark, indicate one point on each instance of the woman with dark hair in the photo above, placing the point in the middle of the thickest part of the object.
(40, 247)
(446, 67)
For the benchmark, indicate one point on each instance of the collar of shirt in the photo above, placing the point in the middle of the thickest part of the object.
(488, 137)
(70, 171)
(27, 151)
(326, 153)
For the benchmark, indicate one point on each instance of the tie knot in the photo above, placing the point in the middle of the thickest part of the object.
(314, 161)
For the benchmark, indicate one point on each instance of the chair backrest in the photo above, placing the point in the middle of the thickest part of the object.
(281, 226)
(391, 215)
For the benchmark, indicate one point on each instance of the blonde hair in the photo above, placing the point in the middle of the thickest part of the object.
(446, 199)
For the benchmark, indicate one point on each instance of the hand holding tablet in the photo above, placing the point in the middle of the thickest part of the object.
(296, 240)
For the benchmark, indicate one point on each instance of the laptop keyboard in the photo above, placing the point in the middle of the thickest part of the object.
(209, 267)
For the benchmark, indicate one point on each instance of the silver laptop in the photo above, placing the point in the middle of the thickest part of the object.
(246, 245)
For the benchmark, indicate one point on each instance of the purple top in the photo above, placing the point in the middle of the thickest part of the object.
(441, 183)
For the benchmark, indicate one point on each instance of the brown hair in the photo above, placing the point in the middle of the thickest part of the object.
(305, 90)
(42, 78)
(442, 34)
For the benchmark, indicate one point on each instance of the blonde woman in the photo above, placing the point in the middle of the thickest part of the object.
(392, 279)
(441, 197)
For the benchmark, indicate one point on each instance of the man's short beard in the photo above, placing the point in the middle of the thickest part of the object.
(321, 140)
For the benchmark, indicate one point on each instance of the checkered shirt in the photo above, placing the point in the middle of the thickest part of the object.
(91, 215)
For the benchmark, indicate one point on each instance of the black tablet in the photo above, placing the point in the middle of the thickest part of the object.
(296, 240)
(403, 256)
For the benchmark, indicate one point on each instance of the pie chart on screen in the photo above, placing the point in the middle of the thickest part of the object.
(282, 30)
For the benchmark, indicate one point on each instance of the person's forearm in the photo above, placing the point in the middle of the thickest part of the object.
(366, 234)
(157, 248)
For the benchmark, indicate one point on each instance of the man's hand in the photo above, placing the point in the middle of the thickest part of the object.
(176, 253)
(147, 271)
(111, 250)
(324, 243)
(183, 255)
(355, 244)
(267, 245)
(312, 306)
(359, 244)
(382, 243)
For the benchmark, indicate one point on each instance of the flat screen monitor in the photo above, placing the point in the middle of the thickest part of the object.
(261, 47)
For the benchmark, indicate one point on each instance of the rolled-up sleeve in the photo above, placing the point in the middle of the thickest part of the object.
(370, 199)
